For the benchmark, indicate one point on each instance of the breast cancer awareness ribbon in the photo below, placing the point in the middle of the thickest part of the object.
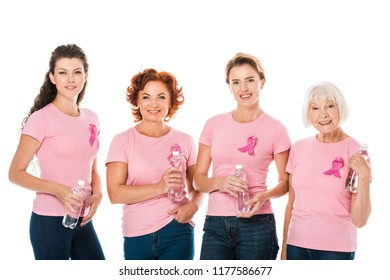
(251, 143)
(94, 133)
(175, 147)
(337, 164)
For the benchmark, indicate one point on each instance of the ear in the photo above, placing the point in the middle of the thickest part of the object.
(86, 76)
(52, 78)
(262, 83)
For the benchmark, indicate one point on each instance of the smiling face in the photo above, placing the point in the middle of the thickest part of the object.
(324, 116)
(245, 84)
(69, 77)
(154, 101)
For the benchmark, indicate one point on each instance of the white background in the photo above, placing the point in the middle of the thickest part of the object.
(300, 42)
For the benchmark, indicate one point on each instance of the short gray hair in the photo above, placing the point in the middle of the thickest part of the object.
(324, 91)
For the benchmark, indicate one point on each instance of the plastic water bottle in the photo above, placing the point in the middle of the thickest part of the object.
(242, 201)
(176, 193)
(70, 220)
(351, 182)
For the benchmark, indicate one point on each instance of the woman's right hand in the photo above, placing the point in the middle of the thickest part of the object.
(69, 199)
(230, 184)
(172, 177)
(283, 255)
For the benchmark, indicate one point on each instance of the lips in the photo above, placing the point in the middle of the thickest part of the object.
(325, 122)
(245, 96)
(154, 111)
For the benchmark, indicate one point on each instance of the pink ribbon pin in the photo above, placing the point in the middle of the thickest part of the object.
(337, 164)
(175, 147)
(251, 143)
(94, 133)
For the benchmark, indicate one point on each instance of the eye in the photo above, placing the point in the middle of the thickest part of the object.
(162, 97)
(79, 72)
(62, 73)
(144, 97)
(235, 83)
(251, 80)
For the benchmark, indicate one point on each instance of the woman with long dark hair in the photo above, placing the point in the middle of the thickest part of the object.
(64, 139)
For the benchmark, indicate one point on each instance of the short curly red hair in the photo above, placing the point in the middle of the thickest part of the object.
(138, 83)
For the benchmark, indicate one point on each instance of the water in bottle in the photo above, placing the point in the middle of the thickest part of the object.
(70, 220)
(351, 182)
(242, 201)
(176, 193)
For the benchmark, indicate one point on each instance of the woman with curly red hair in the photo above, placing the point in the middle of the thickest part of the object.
(139, 173)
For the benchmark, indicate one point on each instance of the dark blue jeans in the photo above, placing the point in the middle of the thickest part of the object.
(232, 238)
(52, 241)
(175, 241)
(298, 253)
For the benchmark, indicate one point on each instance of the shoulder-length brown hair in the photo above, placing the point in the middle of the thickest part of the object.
(138, 83)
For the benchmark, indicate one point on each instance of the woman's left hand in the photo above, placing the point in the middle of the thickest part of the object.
(184, 213)
(360, 165)
(93, 202)
(256, 203)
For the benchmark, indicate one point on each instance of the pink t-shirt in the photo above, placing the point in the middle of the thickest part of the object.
(147, 160)
(251, 144)
(321, 217)
(66, 154)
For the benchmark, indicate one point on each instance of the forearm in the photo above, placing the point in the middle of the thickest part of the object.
(361, 203)
(30, 182)
(96, 183)
(286, 225)
(279, 190)
(204, 184)
(125, 194)
(196, 197)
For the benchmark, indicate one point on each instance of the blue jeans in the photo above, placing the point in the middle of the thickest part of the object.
(52, 241)
(175, 241)
(299, 253)
(232, 238)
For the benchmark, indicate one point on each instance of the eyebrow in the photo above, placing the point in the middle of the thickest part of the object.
(162, 93)
(326, 103)
(250, 77)
(79, 68)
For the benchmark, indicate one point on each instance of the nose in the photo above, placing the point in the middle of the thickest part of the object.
(154, 103)
(244, 87)
(71, 78)
(324, 114)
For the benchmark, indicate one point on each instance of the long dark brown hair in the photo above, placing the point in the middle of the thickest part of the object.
(48, 90)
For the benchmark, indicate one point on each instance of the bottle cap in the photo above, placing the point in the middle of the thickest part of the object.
(80, 182)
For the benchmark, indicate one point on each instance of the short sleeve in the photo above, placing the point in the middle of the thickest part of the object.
(36, 127)
(290, 162)
(282, 141)
(192, 149)
(117, 151)
(205, 136)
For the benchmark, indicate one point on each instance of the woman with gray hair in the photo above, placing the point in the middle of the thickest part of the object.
(321, 215)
